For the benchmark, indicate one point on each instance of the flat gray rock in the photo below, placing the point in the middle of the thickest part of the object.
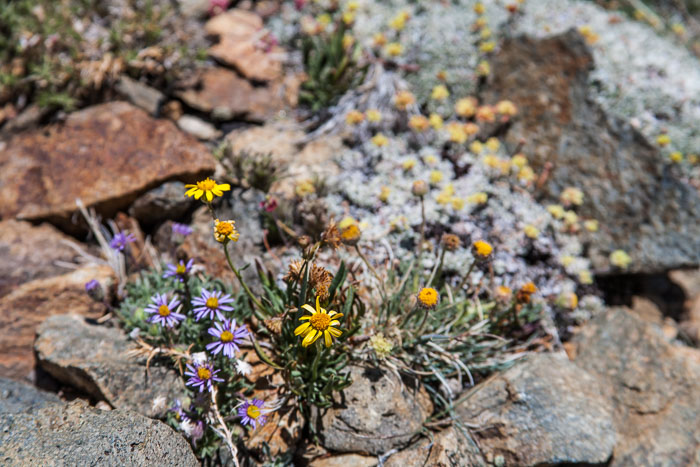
(76, 434)
(18, 397)
(543, 411)
(95, 359)
(375, 414)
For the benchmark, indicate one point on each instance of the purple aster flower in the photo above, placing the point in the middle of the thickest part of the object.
(180, 270)
(210, 303)
(94, 290)
(179, 411)
(251, 413)
(121, 240)
(164, 312)
(228, 337)
(181, 229)
(201, 376)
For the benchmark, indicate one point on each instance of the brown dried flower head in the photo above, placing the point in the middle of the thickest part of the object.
(451, 242)
(332, 236)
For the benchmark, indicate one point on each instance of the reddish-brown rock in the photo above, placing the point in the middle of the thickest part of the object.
(23, 309)
(242, 45)
(226, 96)
(31, 252)
(236, 22)
(106, 155)
(642, 205)
(297, 159)
(653, 384)
(248, 58)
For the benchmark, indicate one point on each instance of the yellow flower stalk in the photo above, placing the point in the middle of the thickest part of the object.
(466, 107)
(393, 49)
(207, 188)
(381, 346)
(531, 231)
(374, 115)
(493, 144)
(435, 121)
(379, 140)
(620, 259)
(319, 323)
(440, 92)
(418, 123)
(403, 99)
(354, 117)
(663, 140)
(435, 177)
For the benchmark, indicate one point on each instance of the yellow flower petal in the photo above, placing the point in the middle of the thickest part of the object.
(327, 338)
(301, 328)
(334, 323)
(210, 196)
(335, 332)
(198, 194)
(316, 337)
(308, 308)
(224, 187)
(310, 338)
(303, 318)
(338, 316)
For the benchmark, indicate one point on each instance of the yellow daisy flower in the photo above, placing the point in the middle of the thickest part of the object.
(207, 188)
(482, 249)
(225, 231)
(428, 297)
(320, 323)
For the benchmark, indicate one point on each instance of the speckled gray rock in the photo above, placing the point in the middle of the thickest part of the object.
(95, 359)
(449, 448)
(162, 203)
(642, 204)
(653, 384)
(543, 411)
(75, 434)
(376, 413)
(19, 397)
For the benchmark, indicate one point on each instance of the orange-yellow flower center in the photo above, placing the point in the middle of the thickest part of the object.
(224, 228)
(320, 321)
(482, 248)
(163, 310)
(203, 373)
(253, 411)
(180, 269)
(206, 185)
(428, 297)
(212, 302)
(226, 336)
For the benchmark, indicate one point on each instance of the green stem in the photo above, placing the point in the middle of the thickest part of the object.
(466, 276)
(438, 267)
(317, 360)
(247, 290)
(374, 271)
(422, 323)
(422, 227)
